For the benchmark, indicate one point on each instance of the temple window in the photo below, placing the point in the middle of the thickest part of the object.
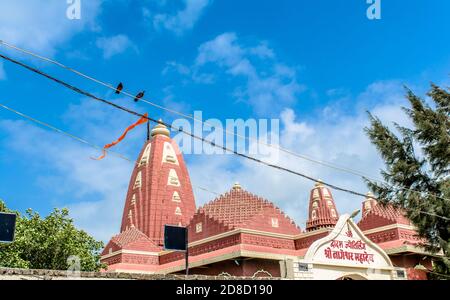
(130, 216)
(314, 215)
(145, 156)
(173, 178)
(178, 211)
(325, 192)
(316, 193)
(198, 228)
(275, 222)
(315, 204)
(133, 199)
(329, 203)
(333, 213)
(138, 181)
(169, 155)
(176, 197)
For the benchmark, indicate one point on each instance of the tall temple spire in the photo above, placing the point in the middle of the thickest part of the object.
(322, 210)
(160, 190)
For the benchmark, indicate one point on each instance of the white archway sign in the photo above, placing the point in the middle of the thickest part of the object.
(346, 250)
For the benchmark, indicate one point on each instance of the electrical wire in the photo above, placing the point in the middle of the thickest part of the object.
(85, 93)
(61, 131)
(81, 140)
(80, 91)
(110, 86)
(117, 154)
(360, 174)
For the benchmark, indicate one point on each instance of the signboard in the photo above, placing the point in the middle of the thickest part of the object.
(7, 227)
(175, 238)
(302, 267)
(346, 248)
(347, 245)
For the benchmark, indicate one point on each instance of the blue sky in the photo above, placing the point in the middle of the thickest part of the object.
(315, 65)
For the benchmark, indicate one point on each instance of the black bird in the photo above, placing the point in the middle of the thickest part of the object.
(139, 96)
(119, 88)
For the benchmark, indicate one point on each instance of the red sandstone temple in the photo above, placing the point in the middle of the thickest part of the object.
(242, 234)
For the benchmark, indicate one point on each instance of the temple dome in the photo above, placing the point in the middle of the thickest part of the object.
(377, 214)
(240, 209)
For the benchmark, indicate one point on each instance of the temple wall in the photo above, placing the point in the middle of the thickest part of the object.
(241, 267)
(27, 274)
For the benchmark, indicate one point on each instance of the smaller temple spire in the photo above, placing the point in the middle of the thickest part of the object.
(322, 209)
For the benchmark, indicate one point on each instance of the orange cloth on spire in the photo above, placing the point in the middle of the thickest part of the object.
(142, 120)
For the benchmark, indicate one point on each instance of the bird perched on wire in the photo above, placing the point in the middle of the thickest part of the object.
(139, 96)
(119, 88)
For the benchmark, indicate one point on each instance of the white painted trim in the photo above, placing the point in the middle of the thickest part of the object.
(311, 233)
(343, 265)
(133, 271)
(124, 251)
(413, 249)
(388, 227)
(265, 255)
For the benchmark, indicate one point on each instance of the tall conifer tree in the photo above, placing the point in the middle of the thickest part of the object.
(418, 159)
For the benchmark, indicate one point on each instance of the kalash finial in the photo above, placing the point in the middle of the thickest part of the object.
(370, 196)
(237, 186)
(319, 183)
(160, 129)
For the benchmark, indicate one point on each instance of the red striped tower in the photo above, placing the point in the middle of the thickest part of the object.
(322, 210)
(160, 190)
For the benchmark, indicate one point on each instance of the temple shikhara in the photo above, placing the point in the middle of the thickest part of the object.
(242, 234)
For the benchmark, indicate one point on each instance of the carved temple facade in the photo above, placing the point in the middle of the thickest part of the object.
(242, 234)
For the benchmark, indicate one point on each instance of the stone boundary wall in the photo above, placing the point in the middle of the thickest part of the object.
(30, 274)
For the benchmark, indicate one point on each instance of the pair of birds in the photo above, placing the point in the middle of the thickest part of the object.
(136, 98)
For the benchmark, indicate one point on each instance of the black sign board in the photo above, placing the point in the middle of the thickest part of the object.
(175, 238)
(7, 227)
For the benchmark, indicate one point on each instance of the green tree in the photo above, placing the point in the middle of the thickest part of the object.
(47, 243)
(418, 158)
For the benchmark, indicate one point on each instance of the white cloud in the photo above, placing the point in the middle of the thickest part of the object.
(267, 90)
(177, 67)
(114, 45)
(42, 26)
(184, 19)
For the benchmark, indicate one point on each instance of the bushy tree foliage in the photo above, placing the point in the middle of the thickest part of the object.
(47, 243)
